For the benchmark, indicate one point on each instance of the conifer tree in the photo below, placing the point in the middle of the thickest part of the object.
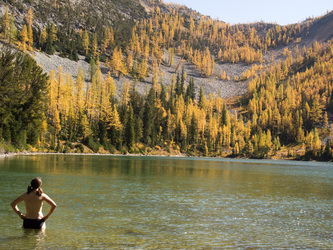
(29, 18)
(24, 38)
(193, 130)
(51, 39)
(23, 93)
(86, 42)
(171, 56)
(202, 98)
(94, 47)
(129, 128)
(43, 36)
(117, 63)
(190, 91)
(148, 117)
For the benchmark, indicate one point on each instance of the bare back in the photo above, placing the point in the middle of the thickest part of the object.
(33, 205)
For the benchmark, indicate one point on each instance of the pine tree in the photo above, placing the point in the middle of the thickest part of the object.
(202, 98)
(190, 91)
(51, 39)
(193, 130)
(316, 110)
(23, 93)
(129, 129)
(148, 117)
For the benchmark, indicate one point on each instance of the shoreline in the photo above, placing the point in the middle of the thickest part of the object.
(10, 154)
(181, 156)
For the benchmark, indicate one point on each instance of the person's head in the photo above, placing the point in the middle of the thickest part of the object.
(35, 185)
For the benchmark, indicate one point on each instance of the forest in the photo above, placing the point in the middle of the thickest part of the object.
(285, 113)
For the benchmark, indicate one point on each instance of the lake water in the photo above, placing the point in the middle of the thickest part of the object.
(127, 202)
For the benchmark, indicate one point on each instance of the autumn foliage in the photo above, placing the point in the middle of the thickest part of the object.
(288, 103)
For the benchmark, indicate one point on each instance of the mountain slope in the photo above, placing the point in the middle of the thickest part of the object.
(174, 71)
(320, 30)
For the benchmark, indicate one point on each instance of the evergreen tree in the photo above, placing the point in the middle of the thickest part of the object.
(23, 92)
(163, 95)
(24, 38)
(193, 130)
(190, 91)
(129, 133)
(86, 42)
(148, 117)
(51, 39)
(182, 82)
(202, 98)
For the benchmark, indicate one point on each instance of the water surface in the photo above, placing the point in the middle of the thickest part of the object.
(161, 202)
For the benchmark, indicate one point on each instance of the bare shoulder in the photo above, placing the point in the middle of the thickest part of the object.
(22, 196)
(46, 198)
(19, 199)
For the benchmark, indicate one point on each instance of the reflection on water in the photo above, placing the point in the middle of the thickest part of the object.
(156, 202)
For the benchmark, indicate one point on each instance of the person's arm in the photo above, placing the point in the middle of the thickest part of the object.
(51, 203)
(15, 208)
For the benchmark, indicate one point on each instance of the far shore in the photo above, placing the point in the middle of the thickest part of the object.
(26, 153)
(10, 154)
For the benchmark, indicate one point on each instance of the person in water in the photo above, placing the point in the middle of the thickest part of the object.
(33, 199)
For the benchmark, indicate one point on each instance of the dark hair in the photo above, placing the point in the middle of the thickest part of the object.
(35, 185)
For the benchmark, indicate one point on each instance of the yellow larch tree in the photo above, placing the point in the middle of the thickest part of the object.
(117, 62)
(24, 38)
(86, 42)
(112, 119)
(111, 86)
(80, 90)
(29, 19)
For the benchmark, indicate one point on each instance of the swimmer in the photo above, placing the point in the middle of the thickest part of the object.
(33, 199)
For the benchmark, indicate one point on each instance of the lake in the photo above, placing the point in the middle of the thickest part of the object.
(127, 202)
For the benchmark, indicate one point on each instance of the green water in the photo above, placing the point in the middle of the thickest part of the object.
(160, 202)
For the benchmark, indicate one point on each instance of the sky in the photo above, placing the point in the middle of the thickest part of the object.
(248, 11)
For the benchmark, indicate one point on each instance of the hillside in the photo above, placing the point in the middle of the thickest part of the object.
(320, 30)
(187, 83)
(121, 16)
(64, 15)
(227, 89)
